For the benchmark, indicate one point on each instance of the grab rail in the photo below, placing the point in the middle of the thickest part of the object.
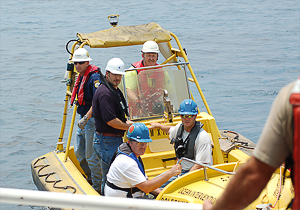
(204, 167)
(158, 66)
(75, 201)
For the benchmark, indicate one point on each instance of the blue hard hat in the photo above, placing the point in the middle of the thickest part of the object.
(188, 106)
(139, 132)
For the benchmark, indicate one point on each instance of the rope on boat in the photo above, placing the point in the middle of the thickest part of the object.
(237, 142)
(47, 175)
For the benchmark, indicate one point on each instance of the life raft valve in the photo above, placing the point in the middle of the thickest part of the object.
(113, 20)
(264, 206)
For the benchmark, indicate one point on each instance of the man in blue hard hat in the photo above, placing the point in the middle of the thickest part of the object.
(189, 138)
(126, 176)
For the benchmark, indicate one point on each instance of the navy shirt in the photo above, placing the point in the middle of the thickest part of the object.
(105, 109)
(89, 90)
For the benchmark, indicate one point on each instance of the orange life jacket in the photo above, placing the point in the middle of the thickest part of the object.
(295, 101)
(158, 77)
(80, 94)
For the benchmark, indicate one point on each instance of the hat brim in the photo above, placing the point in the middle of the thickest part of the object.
(81, 60)
(144, 140)
(189, 113)
(116, 72)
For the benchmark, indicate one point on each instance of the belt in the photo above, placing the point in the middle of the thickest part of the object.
(110, 134)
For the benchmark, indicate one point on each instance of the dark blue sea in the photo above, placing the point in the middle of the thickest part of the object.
(242, 53)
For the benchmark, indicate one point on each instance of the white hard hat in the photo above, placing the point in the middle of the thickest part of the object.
(150, 47)
(81, 55)
(115, 66)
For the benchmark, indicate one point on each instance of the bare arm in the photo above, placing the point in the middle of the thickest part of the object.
(118, 124)
(246, 185)
(131, 95)
(156, 191)
(164, 128)
(153, 184)
(195, 167)
(89, 113)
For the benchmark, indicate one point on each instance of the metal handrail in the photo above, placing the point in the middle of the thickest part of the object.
(204, 167)
(158, 66)
(76, 201)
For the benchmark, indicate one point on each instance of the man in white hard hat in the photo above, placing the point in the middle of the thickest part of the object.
(150, 52)
(85, 86)
(143, 85)
(110, 113)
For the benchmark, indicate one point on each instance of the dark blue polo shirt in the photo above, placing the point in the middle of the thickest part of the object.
(105, 109)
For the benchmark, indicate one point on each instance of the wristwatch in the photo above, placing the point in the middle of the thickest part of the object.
(85, 117)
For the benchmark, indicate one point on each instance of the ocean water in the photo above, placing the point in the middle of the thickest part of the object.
(242, 53)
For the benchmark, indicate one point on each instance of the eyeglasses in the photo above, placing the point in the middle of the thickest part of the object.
(80, 63)
(187, 116)
(139, 143)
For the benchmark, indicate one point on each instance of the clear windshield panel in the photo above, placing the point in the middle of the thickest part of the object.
(145, 90)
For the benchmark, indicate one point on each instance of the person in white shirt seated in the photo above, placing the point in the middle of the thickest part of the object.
(126, 176)
(190, 139)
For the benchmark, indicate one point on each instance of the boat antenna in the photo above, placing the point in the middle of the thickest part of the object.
(113, 20)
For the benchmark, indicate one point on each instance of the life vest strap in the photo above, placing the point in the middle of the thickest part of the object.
(129, 191)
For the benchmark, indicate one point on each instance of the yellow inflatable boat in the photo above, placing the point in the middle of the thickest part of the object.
(59, 170)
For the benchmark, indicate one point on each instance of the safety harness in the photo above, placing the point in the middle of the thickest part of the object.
(295, 101)
(189, 143)
(80, 93)
(125, 149)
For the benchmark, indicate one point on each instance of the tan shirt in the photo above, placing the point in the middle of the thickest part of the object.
(276, 141)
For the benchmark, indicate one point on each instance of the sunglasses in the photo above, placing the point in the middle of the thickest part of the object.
(187, 116)
(80, 63)
(139, 143)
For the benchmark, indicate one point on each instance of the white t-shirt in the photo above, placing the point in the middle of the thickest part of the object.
(125, 173)
(202, 149)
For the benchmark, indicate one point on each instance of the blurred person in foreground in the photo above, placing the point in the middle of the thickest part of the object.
(278, 143)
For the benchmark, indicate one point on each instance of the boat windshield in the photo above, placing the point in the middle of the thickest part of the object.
(146, 90)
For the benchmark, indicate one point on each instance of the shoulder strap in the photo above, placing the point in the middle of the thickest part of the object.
(120, 98)
(125, 149)
(191, 140)
(180, 131)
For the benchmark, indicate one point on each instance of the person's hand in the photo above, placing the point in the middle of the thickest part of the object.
(82, 123)
(207, 205)
(129, 122)
(176, 170)
(154, 125)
